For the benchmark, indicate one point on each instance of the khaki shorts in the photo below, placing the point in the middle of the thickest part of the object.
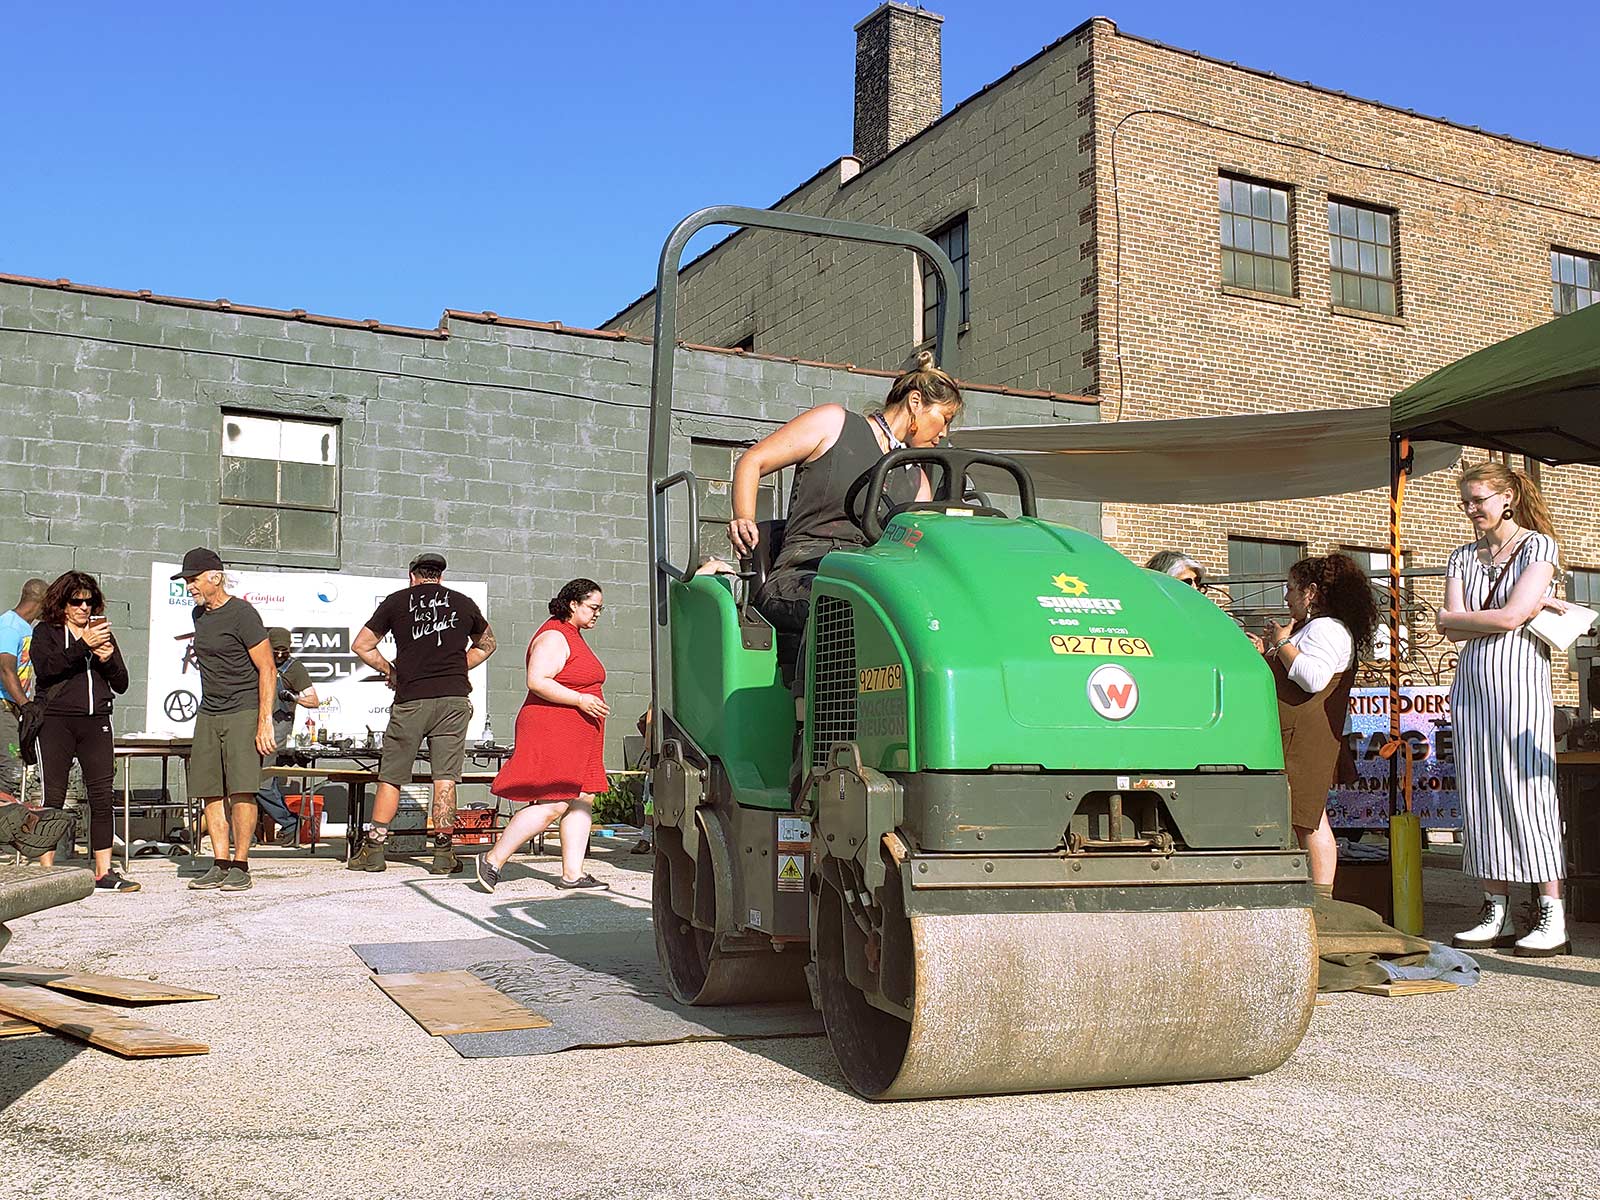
(440, 719)
(224, 760)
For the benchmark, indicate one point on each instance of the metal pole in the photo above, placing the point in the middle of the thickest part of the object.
(664, 352)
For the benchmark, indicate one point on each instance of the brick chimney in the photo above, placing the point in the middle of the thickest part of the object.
(899, 88)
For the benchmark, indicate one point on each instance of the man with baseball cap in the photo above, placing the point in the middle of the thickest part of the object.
(233, 731)
(439, 635)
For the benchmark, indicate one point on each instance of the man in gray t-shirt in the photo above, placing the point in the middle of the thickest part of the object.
(238, 684)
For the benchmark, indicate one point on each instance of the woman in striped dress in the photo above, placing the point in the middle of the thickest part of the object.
(1502, 707)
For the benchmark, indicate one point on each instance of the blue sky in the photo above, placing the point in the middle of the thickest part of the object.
(392, 160)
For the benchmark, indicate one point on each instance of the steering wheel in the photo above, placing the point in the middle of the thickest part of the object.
(951, 492)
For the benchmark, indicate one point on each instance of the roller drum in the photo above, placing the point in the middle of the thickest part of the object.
(1024, 1002)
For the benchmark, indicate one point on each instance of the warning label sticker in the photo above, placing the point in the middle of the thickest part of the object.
(791, 873)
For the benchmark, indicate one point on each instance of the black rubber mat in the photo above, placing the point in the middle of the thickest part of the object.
(597, 989)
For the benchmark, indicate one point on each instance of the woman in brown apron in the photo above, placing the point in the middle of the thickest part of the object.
(1313, 659)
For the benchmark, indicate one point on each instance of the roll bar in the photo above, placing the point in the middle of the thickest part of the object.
(662, 359)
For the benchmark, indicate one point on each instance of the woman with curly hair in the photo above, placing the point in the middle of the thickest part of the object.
(1313, 658)
(556, 767)
(79, 668)
(1502, 707)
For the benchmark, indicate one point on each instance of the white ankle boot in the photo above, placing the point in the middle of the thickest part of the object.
(1548, 936)
(1494, 927)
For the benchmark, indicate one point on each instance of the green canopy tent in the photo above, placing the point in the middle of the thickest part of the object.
(1535, 394)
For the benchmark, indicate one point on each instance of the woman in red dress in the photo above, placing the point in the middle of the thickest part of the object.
(556, 767)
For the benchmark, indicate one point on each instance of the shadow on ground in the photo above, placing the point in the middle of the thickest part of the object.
(26, 1062)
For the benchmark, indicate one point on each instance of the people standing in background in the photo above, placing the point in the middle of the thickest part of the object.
(294, 691)
(1313, 660)
(1502, 707)
(233, 731)
(16, 681)
(439, 635)
(557, 764)
(1180, 566)
(78, 669)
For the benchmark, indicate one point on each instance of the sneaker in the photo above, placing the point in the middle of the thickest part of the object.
(211, 879)
(488, 873)
(368, 858)
(445, 862)
(643, 846)
(238, 880)
(1494, 928)
(112, 882)
(1548, 937)
(286, 836)
(588, 882)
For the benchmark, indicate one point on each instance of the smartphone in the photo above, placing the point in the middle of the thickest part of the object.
(98, 619)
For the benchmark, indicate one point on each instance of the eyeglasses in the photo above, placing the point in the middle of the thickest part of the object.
(80, 600)
(597, 609)
(1191, 580)
(1477, 502)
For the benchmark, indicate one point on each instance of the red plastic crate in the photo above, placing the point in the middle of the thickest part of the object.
(474, 827)
(309, 810)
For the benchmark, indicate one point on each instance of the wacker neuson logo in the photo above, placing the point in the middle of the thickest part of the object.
(1113, 693)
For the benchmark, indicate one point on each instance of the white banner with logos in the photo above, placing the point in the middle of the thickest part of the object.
(323, 613)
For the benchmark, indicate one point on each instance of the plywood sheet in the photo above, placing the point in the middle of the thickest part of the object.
(103, 1027)
(111, 987)
(1409, 987)
(451, 1002)
(16, 1027)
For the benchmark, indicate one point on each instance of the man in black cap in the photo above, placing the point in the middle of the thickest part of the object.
(295, 691)
(439, 636)
(234, 728)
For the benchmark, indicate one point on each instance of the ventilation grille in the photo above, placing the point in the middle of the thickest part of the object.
(833, 702)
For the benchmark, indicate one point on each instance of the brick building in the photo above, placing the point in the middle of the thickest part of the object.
(1178, 236)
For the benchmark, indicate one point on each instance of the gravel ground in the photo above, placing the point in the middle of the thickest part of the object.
(317, 1085)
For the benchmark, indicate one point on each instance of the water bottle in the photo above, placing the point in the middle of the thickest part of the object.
(488, 732)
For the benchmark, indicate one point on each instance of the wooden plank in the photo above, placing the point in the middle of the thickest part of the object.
(110, 987)
(1409, 987)
(103, 1027)
(451, 1002)
(17, 1027)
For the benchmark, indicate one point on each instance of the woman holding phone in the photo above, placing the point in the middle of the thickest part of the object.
(78, 668)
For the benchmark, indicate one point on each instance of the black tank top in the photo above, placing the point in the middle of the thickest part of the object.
(825, 502)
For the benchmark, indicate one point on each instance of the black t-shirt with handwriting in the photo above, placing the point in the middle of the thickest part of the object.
(433, 626)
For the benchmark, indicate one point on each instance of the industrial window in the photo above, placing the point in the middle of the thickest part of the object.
(712, 463)
(1255, 236)
(1583, 587)
(1258, 569)
(280, 488)
(1361, 257)
(952, 239)
(1574, 281)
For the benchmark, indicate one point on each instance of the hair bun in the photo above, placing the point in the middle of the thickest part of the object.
(925, 360)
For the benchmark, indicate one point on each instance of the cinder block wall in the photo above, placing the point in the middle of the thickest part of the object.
(517, 450)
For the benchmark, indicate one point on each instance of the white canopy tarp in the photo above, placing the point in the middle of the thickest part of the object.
(1208, 460)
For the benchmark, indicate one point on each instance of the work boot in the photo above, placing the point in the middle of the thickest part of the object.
(1494, 928)
(445, 862)
(1548, 937)
(211, 879)
(368, 858)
